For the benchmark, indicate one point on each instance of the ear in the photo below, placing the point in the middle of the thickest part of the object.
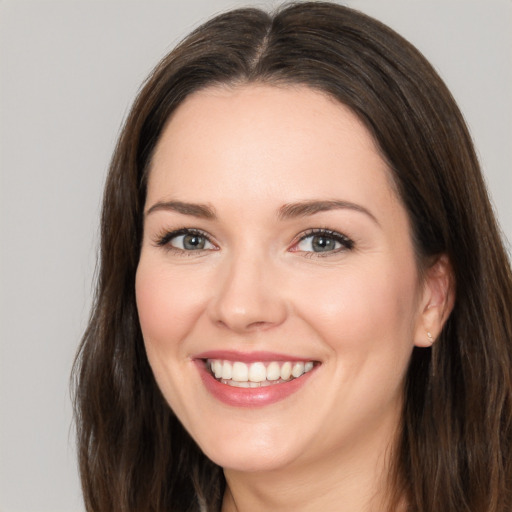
(436, 301)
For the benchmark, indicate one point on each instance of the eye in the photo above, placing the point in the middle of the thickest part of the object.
(323, 241)
(185, 240)
(190, 242)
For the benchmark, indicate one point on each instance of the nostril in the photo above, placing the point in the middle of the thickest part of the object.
(257, 325)
(252, 326)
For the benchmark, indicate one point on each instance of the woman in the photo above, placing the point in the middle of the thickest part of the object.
(303, 300)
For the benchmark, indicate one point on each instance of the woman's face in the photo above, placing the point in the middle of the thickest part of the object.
(277, 255)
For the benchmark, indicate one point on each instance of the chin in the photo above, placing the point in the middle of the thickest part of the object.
(248, 461)
(250, 455)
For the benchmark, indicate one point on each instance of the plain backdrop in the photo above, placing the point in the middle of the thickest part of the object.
(68, 73)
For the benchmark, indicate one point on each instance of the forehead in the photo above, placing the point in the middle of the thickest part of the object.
(254, 140)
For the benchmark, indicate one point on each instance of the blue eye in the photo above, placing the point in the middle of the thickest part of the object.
(185, 240)
(324, 241)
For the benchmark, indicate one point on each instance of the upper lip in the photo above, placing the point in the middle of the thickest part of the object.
(250, 357)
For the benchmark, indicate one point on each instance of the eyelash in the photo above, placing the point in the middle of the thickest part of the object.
(345, 242)
(163, 240)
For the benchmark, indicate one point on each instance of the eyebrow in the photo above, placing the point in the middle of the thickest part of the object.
(287, 211)
(202, 211)
(307, 208)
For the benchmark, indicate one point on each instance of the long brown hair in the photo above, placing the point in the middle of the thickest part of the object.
(454, 452)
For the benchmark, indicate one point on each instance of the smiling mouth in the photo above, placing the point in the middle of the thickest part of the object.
(258, 374)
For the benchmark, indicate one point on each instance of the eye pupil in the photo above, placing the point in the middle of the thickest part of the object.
(322, 243)
(193, 242)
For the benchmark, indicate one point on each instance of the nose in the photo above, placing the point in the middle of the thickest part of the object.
(248, 296)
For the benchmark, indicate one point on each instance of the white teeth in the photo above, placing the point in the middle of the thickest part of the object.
(257, 372)
(298, 369)
(239, 374)
(217, 369)
(273, 371)
(286, 371)
(236, 384)
(227, 370)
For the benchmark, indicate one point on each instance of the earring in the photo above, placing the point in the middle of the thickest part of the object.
(430, 338)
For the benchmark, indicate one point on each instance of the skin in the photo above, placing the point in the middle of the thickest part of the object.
(247, 151)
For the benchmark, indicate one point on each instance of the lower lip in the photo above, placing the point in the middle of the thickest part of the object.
(250, 397)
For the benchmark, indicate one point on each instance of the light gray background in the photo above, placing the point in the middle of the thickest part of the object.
(68, 72)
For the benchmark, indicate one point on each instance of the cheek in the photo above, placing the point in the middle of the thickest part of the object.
(167, 303)
(362, 309)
